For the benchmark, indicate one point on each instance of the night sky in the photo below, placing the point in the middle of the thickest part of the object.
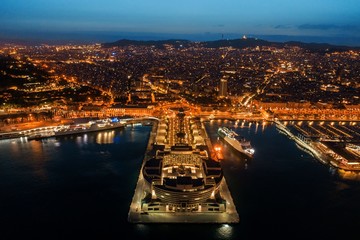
(316, 18)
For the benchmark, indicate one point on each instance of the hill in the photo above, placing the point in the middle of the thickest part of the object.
(158, 44)
(236, 43)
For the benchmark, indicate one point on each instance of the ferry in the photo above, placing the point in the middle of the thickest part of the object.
(239, 144)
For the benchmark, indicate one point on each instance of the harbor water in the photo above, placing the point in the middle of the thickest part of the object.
(81, 187)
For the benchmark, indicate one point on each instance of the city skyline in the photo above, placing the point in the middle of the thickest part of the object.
(118, 118)
(319, 21)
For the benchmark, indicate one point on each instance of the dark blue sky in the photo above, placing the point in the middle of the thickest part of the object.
(315, 18)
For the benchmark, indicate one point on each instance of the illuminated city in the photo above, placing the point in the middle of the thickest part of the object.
(164, 121)
(134, 79)
(134, 82)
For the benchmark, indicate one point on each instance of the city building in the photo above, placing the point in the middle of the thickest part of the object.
(183, 180)
(223, 87)
(182, 177)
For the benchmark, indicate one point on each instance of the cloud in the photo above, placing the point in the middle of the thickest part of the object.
(328, 27)
(283, 27)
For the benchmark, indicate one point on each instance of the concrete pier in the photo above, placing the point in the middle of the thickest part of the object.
(136, 215)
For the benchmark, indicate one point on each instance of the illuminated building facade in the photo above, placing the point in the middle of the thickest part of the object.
(223, 87)
(182, 177)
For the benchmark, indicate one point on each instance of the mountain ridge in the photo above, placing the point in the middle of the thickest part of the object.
(236, 43)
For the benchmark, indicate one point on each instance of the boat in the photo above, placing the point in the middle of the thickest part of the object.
(240, 144)
(34, 137)
(40, 135)
(11, 135)
(99, 125)
(92, 126)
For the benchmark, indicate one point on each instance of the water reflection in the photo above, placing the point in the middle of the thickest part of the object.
(349, 175)
(37, 159)
(105, 137)
(79, 139)
(225, 231)
(264, 123)
(142, 229)
(133, 133)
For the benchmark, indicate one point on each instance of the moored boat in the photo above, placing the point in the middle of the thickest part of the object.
(238, 143)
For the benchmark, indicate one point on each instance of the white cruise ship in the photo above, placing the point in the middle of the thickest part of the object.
(232, 138)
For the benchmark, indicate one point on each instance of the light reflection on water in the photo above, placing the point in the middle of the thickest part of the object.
(142, 229)
(31, 154)
(224, 231)
(106, 137)
(349, 175)
(89, 186)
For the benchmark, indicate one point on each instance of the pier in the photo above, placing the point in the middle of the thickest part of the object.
(78, 126)
(336, 145)
(160, 201)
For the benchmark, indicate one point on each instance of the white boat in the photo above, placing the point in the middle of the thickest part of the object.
(239, 144)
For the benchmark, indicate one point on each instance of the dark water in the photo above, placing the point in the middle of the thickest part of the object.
(80, 187)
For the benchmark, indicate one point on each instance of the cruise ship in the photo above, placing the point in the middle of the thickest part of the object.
(239, 144)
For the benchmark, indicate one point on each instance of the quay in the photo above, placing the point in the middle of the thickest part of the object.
(338, 146)
(77, 126)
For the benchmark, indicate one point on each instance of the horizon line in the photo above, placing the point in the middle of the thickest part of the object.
(110, 37)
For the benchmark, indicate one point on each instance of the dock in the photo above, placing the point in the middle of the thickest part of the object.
(335, 145)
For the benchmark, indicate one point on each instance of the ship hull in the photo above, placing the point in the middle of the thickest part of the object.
(234, 143)
(76, 131)
(237, 150)
(94, 129)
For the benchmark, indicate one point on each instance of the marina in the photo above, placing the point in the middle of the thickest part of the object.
(333, 143)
